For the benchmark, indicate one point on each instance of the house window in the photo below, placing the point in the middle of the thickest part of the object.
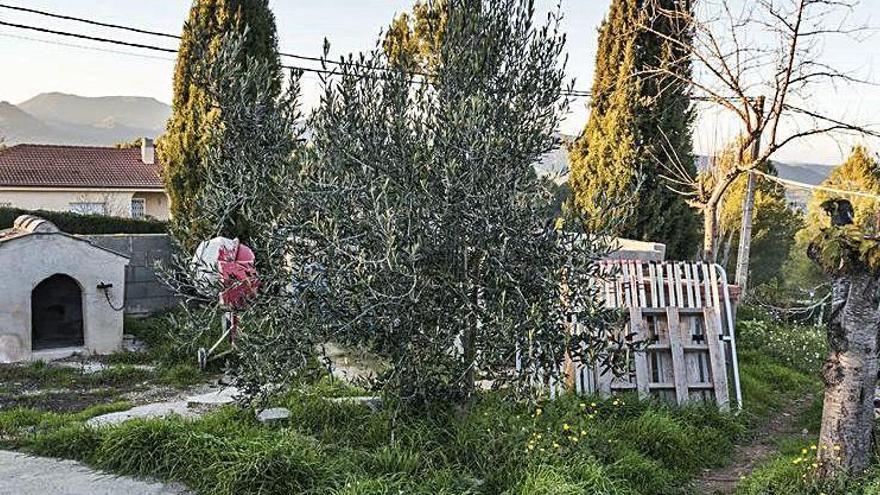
(138, 208)
(89, 208)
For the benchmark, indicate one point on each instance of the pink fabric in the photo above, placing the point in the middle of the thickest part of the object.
(237, 272)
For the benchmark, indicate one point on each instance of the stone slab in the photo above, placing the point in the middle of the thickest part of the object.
(148, 411)
(274, 415)
(220, 397)
(24, 475)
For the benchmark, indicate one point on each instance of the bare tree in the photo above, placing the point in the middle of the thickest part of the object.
(761, 61)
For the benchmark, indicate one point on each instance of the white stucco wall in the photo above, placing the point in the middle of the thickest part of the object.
(26, 261)
(118, 202)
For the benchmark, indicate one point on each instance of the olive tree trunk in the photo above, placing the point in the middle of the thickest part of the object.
(850, 375)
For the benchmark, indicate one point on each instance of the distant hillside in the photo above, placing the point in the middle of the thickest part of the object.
(809, 173)
(56, 118)
(555, 164)
(17, 125)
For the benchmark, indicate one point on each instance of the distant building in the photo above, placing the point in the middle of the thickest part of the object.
(83, 179)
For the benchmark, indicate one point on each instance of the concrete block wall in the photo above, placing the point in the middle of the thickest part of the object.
(144, 292)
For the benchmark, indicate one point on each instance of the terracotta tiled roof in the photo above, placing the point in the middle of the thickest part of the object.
(38, 165)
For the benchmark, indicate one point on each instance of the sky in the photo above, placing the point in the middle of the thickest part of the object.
(31, 66)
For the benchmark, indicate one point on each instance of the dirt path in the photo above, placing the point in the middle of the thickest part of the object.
(759, 448)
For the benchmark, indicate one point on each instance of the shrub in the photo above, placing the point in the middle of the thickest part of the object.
(75, 223)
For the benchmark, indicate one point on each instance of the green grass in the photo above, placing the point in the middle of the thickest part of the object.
(789, 358)
(573, 445)
(621, 446)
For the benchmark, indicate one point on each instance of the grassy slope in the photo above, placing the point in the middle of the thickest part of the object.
(572, 445)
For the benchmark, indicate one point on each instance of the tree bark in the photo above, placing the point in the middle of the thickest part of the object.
(850, 375)
(710, 233)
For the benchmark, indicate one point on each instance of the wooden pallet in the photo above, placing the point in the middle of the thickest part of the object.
(681, 310)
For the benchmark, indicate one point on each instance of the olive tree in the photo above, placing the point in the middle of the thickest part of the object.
(412, 223)
(423, 222)
(852, 259)
(254, 152)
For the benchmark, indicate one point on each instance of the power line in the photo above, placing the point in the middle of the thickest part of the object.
(86, 21)
(801, 185)
(573, 93)
(84, 47)
(133, 45)
(173, 36)
(171, 50)
(86, 37)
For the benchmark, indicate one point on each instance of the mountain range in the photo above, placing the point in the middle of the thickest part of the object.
(555, 165)
(58, 118)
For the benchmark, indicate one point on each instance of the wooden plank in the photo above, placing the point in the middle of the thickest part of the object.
(604, 382)
(679, 299)
(652, 278)
(641, 357)
(633, 284)
(670, 285)
(661, 286)
(610, 300)
(640, 275)
(618, 286)
(688, 285)
(716, 301)
(609, 285)
(716, 358)
(698, 287)
(679, 371)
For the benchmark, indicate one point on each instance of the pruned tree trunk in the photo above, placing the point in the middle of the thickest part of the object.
(710, 233)
(850, 375)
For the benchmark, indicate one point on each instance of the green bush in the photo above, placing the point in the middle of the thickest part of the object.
(74, 223)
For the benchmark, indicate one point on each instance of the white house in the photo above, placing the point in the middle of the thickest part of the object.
(59, 294)
(83, 179)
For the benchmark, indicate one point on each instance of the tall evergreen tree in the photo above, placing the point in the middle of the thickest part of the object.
(182, 150)
(413, 40)
(640, 125)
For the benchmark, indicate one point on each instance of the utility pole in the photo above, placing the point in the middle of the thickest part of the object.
(745, 235)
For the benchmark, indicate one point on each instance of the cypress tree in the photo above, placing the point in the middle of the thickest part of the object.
(182, 150)
(640, 125)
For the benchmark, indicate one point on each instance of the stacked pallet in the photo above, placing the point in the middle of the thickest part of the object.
(681, 314)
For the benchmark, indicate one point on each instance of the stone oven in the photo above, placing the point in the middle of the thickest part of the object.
(59, 294)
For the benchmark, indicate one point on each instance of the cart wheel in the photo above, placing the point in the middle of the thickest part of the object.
(203, 358)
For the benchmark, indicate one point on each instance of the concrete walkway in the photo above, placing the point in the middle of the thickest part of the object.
(24, 475)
